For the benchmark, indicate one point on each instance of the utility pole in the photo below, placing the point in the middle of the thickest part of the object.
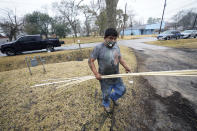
(124, 20)
(162, 16)
(195, 21)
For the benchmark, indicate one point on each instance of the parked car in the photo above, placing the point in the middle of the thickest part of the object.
(169, 34)
(29, 43)
(189, 34)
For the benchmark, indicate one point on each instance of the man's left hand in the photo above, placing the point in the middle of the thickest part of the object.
(127, 70)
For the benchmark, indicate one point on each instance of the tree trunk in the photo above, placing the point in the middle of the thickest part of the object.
(75, 32)
(111, 13)
(74, 28)
(87, 28)
(14, 36)
(10, 38)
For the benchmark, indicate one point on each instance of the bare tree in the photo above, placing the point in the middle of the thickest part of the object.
(187, 20)
(131, 16)
(111, 6)
(176, 18)
(10, 24)
(125, 18)
(69, 10)
(98, 16)
(101, 22)
(88, 15)
(152, 20)
(106, 11)
(184, 19)
(121, 19)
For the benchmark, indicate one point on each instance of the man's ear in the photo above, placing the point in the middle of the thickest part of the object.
(104, 39)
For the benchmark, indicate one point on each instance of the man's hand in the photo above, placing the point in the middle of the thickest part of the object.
(93, 68)
(127, 70)
(98, 76)
(122, 62)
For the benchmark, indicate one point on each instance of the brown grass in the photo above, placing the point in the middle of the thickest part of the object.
(48, 108)
(18, 62)
(181, 43)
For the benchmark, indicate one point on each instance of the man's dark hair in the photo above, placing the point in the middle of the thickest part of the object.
(111, 32)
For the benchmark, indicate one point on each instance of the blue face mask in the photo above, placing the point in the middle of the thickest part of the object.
(110, 44)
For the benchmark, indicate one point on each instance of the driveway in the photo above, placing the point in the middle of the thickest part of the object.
(158, 58)
(172, 100)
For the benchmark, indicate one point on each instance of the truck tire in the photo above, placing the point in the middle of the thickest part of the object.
(50, 48)
(10, 52)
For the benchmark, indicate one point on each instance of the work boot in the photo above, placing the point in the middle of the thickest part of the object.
(115, 103)
(107, 109)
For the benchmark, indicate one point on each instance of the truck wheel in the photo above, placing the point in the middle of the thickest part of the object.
(50, 48)
(10, 52)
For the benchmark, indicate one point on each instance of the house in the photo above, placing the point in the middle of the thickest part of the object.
(3, 39)
(147, 29)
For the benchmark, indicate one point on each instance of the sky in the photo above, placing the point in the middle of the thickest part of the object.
(143, 9)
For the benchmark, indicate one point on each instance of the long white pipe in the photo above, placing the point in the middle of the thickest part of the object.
(75, 80)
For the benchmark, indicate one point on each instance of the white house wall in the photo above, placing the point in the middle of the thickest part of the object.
(3, 40)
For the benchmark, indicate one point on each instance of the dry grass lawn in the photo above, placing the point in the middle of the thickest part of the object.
(180, 43)
(67, 108)
(18, 62)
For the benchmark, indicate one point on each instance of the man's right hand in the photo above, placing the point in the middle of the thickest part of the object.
(98, 76)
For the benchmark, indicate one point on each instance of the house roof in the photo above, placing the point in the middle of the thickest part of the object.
(148, 26)
(2, 37)
(139, 27)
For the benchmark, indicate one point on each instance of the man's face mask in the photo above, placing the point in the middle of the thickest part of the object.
(110, 41)
(110, 44)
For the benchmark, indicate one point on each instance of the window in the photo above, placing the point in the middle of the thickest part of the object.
(22, 39)
(38, 38)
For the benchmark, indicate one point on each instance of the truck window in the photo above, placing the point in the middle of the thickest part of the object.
(38, 38)
(31, 38)
(22, 39)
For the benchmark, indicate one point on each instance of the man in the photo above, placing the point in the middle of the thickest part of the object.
(108, 56)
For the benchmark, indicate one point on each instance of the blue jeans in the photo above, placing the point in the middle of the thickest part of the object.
(118, 91)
